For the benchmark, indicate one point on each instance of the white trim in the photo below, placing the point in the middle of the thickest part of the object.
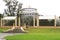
(9, 18)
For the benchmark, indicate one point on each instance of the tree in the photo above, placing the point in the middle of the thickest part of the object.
(13, 7)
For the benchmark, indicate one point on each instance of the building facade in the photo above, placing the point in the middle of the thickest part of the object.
(26, 16)
(29, 16)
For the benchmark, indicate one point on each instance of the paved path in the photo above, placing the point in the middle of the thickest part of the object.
(2, 35)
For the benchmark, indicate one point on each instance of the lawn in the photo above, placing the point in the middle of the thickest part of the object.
(37, 34)
(3, 29)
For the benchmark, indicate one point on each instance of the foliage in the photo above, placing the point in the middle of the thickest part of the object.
(2, 29)
(13, 7)
(1, 15)
(45, 22)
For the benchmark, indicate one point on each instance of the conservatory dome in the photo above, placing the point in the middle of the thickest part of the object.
(29, 10)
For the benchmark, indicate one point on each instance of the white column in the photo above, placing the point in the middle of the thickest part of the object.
(55, 20)
(37, 20)
(19, 21)
(34, 21)
(1, 22)
(15, 22)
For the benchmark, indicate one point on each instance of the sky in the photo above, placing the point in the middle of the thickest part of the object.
(44, 7)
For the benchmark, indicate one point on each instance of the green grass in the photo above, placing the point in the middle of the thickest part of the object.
(2, 29)
(37, 34)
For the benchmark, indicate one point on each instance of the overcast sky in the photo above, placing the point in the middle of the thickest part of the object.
(45, 7)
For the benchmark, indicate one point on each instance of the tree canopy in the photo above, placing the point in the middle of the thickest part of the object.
(13, 7)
